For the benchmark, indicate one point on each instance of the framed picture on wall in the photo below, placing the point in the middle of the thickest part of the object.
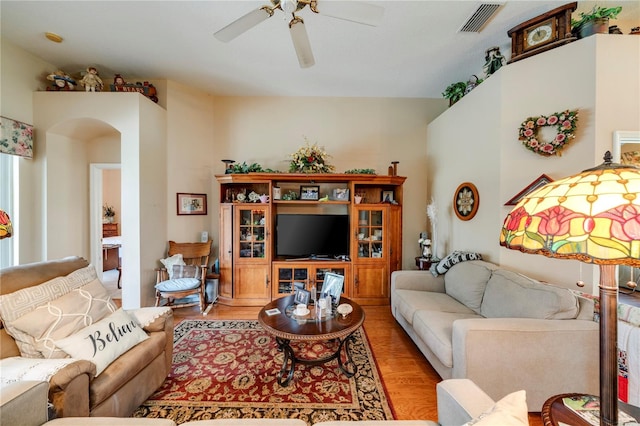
(539, 182)
(192, 204)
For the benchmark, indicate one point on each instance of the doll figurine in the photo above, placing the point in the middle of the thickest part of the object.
(61, 82)
(91, 81)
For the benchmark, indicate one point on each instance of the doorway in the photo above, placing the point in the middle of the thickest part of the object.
(103, 192)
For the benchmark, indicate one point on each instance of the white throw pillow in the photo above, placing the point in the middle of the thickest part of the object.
(509, 411)
(179, 284)
(168, 263)
(103, 342)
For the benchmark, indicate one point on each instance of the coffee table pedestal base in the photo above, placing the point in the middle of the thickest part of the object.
(290, 359)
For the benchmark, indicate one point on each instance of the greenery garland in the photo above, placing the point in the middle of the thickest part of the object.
(565, 123)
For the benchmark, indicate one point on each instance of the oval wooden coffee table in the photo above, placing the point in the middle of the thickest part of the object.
(285, 326)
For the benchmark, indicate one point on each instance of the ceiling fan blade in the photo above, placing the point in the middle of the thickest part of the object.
(242, 24)
(301, 42)
(354, 11)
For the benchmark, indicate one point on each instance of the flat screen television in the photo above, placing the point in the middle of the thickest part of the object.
(312, 235)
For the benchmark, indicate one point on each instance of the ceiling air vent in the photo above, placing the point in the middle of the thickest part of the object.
(480, 17)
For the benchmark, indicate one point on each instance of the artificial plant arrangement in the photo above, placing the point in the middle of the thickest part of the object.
(455, 91)
(597, 16)
(243, 168)
(360, 172)
(310, 159)
(108, 211)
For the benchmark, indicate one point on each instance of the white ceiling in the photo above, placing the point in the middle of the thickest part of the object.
(416, 52)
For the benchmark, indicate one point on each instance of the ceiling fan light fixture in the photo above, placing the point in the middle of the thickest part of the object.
(288, 6)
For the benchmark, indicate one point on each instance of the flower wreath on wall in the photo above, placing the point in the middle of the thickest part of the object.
(565, 123)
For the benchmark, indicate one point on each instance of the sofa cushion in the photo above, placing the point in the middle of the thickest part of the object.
(509, 294)
(65, 316)
(104, 341)
(408, 302)
(466, 282)
(436, 330)
(21, 302)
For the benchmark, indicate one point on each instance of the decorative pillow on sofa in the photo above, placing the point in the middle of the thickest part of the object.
(509, 411)
(168, 263)
(456, 257)
(65, 316)
(21, 302)
(103, 342)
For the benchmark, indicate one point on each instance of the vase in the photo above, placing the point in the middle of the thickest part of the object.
(426, 251)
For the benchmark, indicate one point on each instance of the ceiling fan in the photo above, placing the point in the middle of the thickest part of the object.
(355, 11)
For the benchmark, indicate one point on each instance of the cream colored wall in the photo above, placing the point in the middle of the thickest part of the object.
(356, 132)
(20, 75)
(500, 166)
(191, 161)
(111, 183)
(142, 128)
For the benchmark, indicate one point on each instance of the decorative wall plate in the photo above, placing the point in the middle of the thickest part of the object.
(466, 201)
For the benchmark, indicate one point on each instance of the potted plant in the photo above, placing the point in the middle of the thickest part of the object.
(109, 213)
(454, 92)
(596, 21)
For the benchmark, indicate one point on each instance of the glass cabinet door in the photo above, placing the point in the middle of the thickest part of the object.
(288, 278)
(369, 233)
(252, 227)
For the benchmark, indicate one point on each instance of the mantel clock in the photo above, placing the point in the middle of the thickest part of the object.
(542, 33)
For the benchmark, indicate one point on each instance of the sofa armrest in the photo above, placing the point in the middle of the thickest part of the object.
(24, 403)
(153, 319)
(543, 357)
(69, 389)
(459, 401)
(416, 280)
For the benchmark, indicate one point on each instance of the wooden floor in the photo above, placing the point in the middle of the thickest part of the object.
(408, 377)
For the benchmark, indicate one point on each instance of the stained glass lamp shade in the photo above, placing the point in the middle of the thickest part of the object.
(594, 217)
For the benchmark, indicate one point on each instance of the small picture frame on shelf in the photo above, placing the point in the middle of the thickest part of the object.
(191, 204)
(310, 192)
(387, 197)
(301, 296)
(332, 286)
(341, 194)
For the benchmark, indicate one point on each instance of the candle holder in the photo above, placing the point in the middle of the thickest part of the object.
(227, 166)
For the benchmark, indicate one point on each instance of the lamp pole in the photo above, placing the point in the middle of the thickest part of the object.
(608, 346)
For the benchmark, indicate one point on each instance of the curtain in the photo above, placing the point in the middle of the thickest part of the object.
(16, 138)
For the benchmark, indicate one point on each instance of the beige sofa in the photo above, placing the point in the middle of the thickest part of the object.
(75, 390)
(459, 401)
(502, 330)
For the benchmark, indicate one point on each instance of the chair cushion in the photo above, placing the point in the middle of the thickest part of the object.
(168, 263)
(179, 284)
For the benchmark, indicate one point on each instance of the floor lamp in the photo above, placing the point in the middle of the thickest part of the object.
(593, 217)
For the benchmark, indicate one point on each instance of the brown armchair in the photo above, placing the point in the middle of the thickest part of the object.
(187, 278)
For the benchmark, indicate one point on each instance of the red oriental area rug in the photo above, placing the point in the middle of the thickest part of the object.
(228, 369)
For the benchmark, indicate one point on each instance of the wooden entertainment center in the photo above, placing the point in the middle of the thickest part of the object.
(250, 272)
